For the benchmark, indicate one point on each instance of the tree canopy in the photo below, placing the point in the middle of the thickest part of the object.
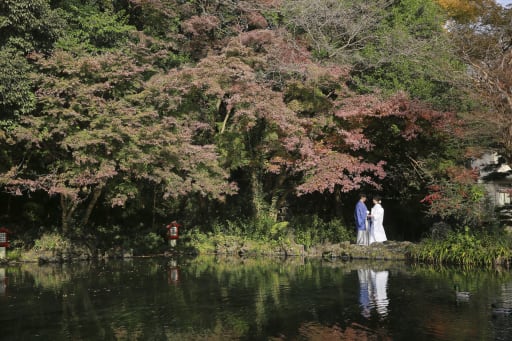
(124, 111)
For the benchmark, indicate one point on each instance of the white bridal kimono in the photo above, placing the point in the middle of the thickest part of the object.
(377, 233)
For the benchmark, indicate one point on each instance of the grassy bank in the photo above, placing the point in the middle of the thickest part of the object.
(315, 238)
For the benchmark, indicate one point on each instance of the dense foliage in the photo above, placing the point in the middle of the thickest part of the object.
(119, 116)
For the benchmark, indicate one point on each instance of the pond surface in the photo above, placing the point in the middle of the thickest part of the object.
(208, 298)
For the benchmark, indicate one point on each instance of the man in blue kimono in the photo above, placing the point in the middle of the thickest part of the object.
(360, 215)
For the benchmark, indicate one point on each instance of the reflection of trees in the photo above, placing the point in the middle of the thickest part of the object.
(355, 331)
(256, 295)
(288, 292)
(502, 311)
(49, 277)
(78, 301)
(3, 282)
(258, 286)
(237, 298)
(440, 313)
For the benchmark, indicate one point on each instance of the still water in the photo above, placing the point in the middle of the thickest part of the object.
(211, 298)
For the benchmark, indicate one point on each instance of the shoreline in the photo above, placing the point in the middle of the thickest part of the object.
(389, 250)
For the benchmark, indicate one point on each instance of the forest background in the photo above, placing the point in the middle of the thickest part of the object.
(263, 119)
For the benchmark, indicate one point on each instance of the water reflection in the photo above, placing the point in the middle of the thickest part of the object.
(502, 313)
(364, 291)
(373, 291)
(3, 282)
(213, 298)
(173, 272)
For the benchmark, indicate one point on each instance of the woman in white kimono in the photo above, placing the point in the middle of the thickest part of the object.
(377, 233)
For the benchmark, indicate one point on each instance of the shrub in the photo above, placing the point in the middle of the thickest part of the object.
(51, 242)
(266, 233)
(311, 230)
(148, 243)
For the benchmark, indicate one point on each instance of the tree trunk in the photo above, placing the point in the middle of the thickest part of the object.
(153, 210)
(258, 198)
(273, 209)
(68, 207)
(337, 202)
(278, 198)
(96, 193)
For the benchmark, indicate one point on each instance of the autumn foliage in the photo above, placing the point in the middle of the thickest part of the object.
(203, 106)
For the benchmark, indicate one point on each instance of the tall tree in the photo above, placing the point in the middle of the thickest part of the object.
(391, 45)
(25, 26)
(95, 134)
(485, 44)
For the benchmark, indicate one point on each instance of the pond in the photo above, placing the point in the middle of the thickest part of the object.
(215, 298)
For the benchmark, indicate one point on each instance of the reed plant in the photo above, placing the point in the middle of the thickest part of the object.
(465, 247)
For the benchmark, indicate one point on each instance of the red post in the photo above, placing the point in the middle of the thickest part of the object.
(4, 237)
(173, 230)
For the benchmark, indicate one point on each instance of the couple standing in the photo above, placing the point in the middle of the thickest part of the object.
(369, 224)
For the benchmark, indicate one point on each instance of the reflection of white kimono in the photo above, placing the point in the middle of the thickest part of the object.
(379, 281)
(373, 291)
(377, 233)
